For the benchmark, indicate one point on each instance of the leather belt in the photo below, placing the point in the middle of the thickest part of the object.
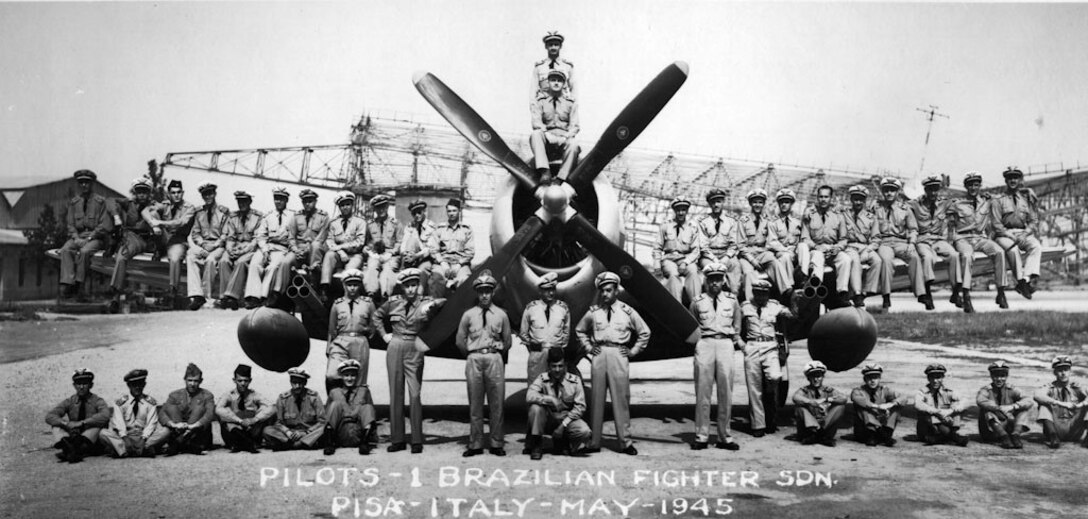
(611, 345)
(356, 334)
(405, 336)
(717, 336)
(484, 351)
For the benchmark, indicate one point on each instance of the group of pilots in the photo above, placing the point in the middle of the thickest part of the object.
(859, 242)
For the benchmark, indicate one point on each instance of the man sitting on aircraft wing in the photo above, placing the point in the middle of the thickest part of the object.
(897, 235)
(171, 221)
(206, 243)
(861, 244)
(240, 231)
(719, 237)
(306, 234)
(343, 241)
(454, 247)
(969, 218)
(273, 244)
(931, 212)
(416, 238)
(555, 123)
(755, 256)
(1015, 214)
(677, 252)
(89, 226)
(824, 230)
(381, 248)
(136, 237)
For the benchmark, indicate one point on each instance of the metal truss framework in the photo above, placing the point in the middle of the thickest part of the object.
(387, 152)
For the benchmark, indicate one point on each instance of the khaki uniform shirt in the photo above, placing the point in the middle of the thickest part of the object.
(784, 232)
(932, 219)
(863, 397)
(679, 243)
(808, 395)
(96, 413)
(131, 217)
(272, 234)
(453, 244)
(207, 232)
(88, 223)
(382, 237)
(926, 402)
(555, 115)
(474, 333)
(970, 217)
(347, 237)
(542, 68)
(143, 423)
(1052, 393)
(310, 416)
(352, 316)
(895, 221)
(861, 228)
(233, 407)
(306, 229)
(718, 318)
(177, 219)
(241, 232)
(550, 329)
(760, 323)
(823, 231)
(753, 235)
(181, 404)
(416, 240)
(719, 236)
(990, 398)
(405, 320)
(1019, 210)
(623, 327)
(570, 394)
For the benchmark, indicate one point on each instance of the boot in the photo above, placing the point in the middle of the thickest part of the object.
(927, 300)
(886, 438)
(1017, 443)
(955, 299)
(364, 442)
(859, 301)
(1007, 443)
(1051, 435)
(1001, 301)
(1023, 288)
(81, 447)
(330, 442)
(196, 302)
(535, 451)
(887, 303)
(968, 308)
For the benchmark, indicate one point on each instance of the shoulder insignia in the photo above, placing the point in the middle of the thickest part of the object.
(285, 395)
(310, 392)
(150, 400)
(122, 400)
(535, 302)
(561, 303)
(339, 300)
(593, 308)
(746, 218)
(541, 62)
(321, 212)
(626, 308)
(571, 377)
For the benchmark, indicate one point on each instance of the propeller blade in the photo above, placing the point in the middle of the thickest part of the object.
(465, 120)
(445, 323)
(634, 118)
(637, 280)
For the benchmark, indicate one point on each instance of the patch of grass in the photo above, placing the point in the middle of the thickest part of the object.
(1030, 328)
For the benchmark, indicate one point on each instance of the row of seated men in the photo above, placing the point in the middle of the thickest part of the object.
(247, 257)
(859, 242)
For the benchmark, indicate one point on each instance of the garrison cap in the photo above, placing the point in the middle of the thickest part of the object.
(714, 268)
(756, 193)
(85, 174)
(136, 375)
(891, 182)
(557, 73)
(785, 194)
(280, 192)
(141, 184)
(455, 202)
(936, 369)
(971, 176)
(761, 284)
(379, 200)
(243, 370)
(858, 190)
(715, 194)
(344, 196)
(192, 371)
(205, 187)
(1061, 361)
(409, 274)
(417, 205)
(815, 368)
(173, 184)
(553, 36)
(549, 280)
(307, 193)
(607, 278)
(298, 374)
(349, 275)
(485, 281)
(932, 180)
(871, 369)
(680, 202)
(349, 366)
(242, 194)
(998, 367)
(82, 375)
(1011, 172)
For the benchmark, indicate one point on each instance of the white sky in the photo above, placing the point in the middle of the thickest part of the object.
(110, 86)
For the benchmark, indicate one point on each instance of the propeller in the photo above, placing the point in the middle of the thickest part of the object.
(556, 202)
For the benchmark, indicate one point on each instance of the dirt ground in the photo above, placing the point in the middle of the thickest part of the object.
(769, 475)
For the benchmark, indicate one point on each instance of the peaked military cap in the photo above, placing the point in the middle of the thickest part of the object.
(417, 205)
(350, 275)
(557, 73)
(204, 187)
(380, 199)
(756, 193)
(714, 268)
(298, 373)
(307, 193)
(485, 281)
(680, 202)
(815, 368)
(761, 284)
(891, 182)
(280, 192)
(242, 195)
(344, 196)
(870, 369)
(858, 190)
(141, 184)
(553, 36)
(1061, 361)
(409, 274)
(971, 176)
(998, 366)
(932, 180)
(136, 375)
(549, 280)
(606, 278)
(785, 194)
(349, 366)
(1011, 172)
(715, 194)
(82, 375)
(935, 369)
(85, 174)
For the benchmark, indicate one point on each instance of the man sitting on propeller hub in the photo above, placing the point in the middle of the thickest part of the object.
(555, 123)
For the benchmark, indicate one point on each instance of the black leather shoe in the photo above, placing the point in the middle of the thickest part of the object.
(960, 441)
(329, 451)
(871, 441)
(729, 446)
(968, 306)
(364, 448)
(1016, 442)
(758, 433)
(1001, 301)
(594, 450)
(471, 452)
(631, 451)
(536, 454)
(417, 448)
(698, 446)
(497, 452)
(196, 302)
(396, 447)
(252, 302)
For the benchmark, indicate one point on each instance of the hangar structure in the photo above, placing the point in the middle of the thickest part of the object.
(404, 155)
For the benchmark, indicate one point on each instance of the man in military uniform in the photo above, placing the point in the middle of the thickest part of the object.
(718, 241)
(823, 229)
(89, 226)
(545, 324)
(719, 319)
(243, 413)
(78, 419)
(1062, 405)
(343, 242)
(350, 327)
(940, 410)
(1003, 410)
(819, 408)
(300, 416)
(610, 333)
(206, 246)
(555, 124)
(134, 428)
(136, 236)
(784, 236)
(400, 319)
(931, 212)
(171, 222)
(876, 408)
(482, 336)
(861, 244)
(764, 369)
(897, 234)
(350, 417)
(557, 403)
(755, 257)
(416, 239)
(677, 252)
(240, 231)
(188, 414)
(1015, 219)
(553, 43)
(453, 248)
(273, 245)
(306, 235)
(970, 222)
(382, 249)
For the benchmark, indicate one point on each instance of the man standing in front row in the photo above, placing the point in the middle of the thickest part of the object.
(557, 403)
(78, 419)
(350, 327)
(875, 408)
(719, 324)
(482, 336)
(609, 334)
(545, 324)
(1003, 410)
(764, 368)
(243, 413)
(134, 428)
(300, 416)
(1062, 405)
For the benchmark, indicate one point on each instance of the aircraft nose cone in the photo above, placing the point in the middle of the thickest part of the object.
(555, 199)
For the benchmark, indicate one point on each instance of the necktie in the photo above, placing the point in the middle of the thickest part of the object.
(381, 231)
(298, 402)
(548, 312)
(84, 205)
(1063, 394)
(344, 222)
(997, 396)
(242, 401)
(350, 393)
(557, 386)
(608, 312)
(552, 65)
(757, 224)
(209, 210)
(135, 407)
(419, 231)
(974, 204)
(308, 215)
(483, 318)
(786, 219)
(82, 410)
(280, 218)
(715, 300)
(351, 306)
(936, 398)
(717, 225)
